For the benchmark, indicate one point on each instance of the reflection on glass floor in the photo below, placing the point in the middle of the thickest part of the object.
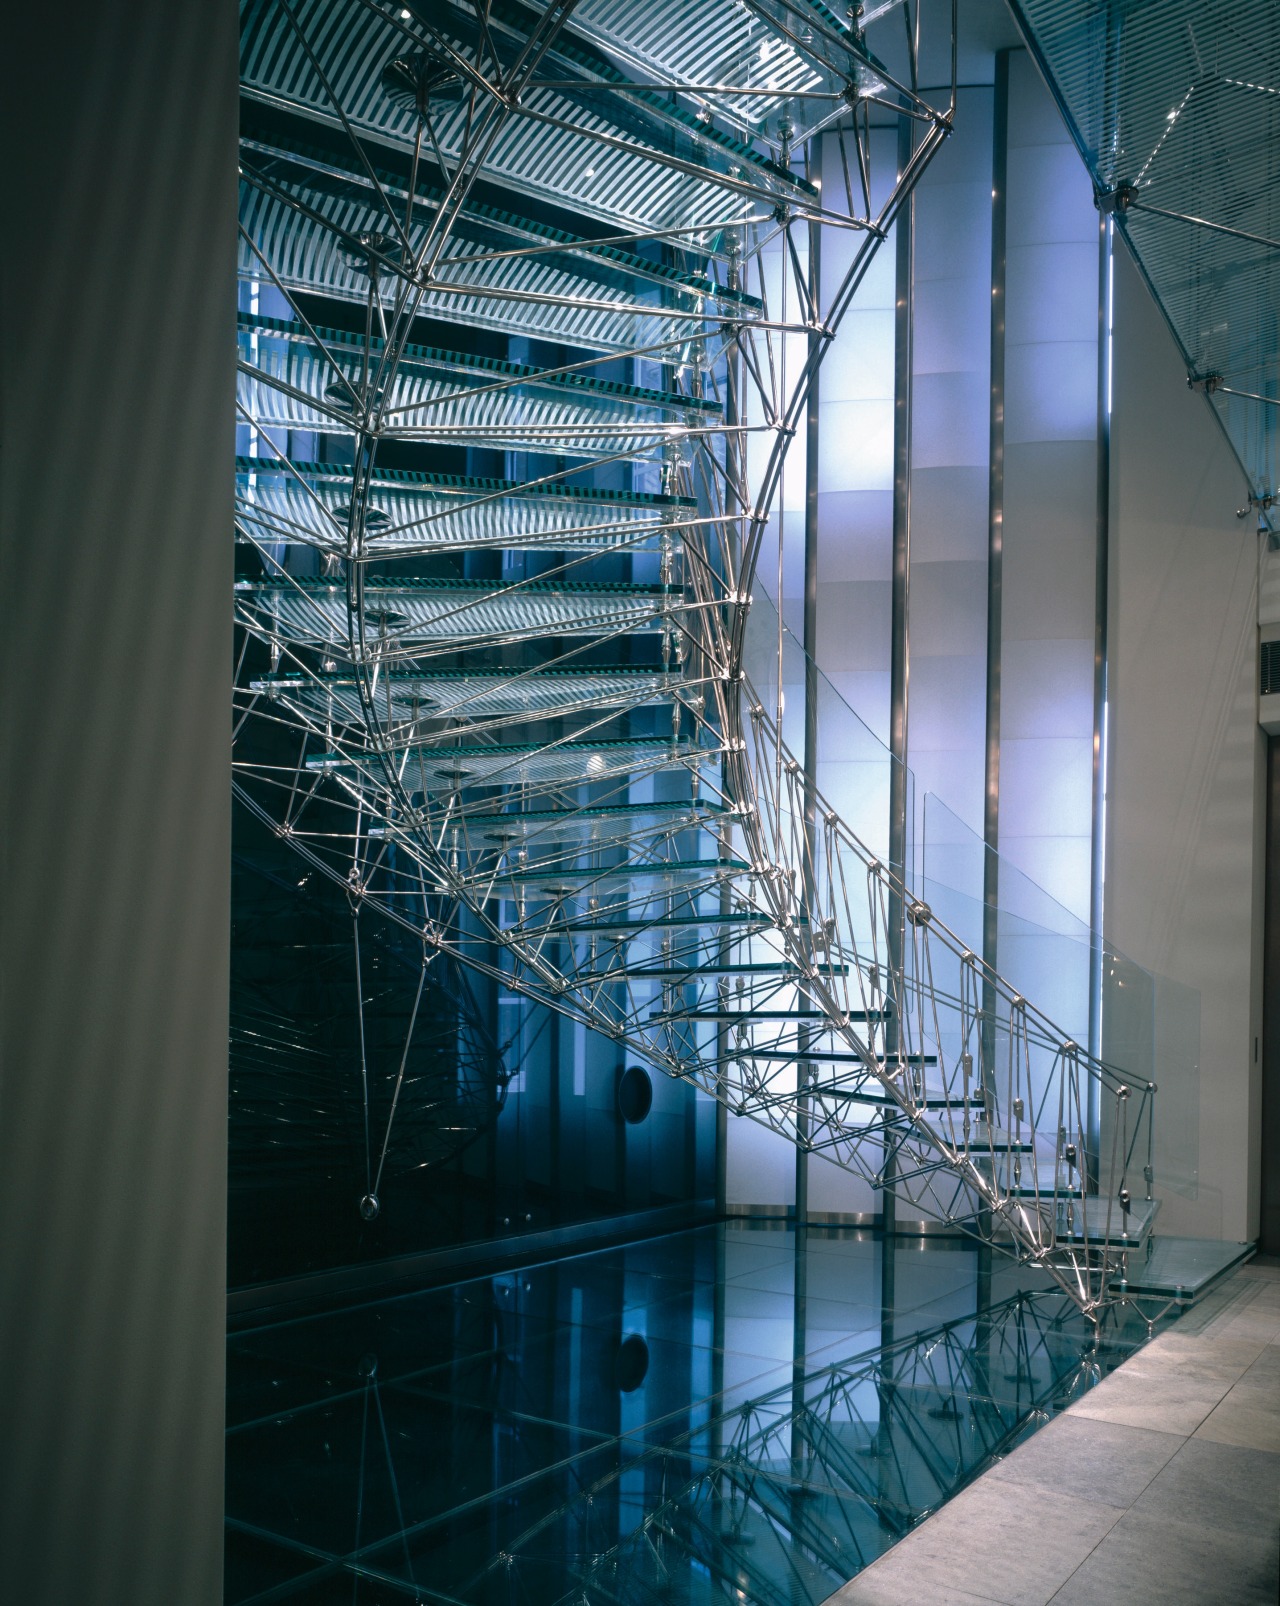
(714, 1416)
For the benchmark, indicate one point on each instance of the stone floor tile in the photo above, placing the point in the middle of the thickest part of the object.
(978, 1544)
(1186, 1434)
(1264, 1373)
(1097, 1460)
(1213, 1353)
(1167, 1397)
(1241, 1420)
(1148, 1560)
(1260, 1273)
(872, 1589)
(1218, 1486)
(1266, 1296)
(1253, 1321)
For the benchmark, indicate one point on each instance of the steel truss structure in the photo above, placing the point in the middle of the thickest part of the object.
(503, 697)
(421, 1094)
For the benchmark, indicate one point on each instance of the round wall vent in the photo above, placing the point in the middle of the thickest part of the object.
(635, 1094)
(632, 1364)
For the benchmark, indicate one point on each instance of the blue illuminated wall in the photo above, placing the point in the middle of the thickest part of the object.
(855, 462)
(1044, 385)
(950, 449)
(1050, 499)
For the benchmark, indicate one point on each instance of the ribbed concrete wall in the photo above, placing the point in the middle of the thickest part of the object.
(118, 401)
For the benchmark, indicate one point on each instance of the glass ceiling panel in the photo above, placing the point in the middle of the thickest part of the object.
(1175, 105)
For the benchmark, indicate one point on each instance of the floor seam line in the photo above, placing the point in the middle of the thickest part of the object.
(1101, 1541)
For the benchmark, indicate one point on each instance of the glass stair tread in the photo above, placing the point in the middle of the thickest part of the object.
(564, 885)
(753, 918)
(467, 485)
(690, 976)
(445, 396)
(1185, 1269)
(319, 156)
(1093, 1226)
(559, 876)
(621, 893)
(551, 825)
(597, 154)
(493, 277)
(298, 390)
(401, 612)
(747, 1016)
(1023, 1154)
(477, 693)
(417, 683)
(411, 585)
(576, 46)
(565, 904)
(874, 1092)
(478, 370)
(709, 968)
(568, 764)
(828, 1056)
(585, 880)
(428, 513)
(425, 524)
(995, 1141)
(702, 44)
(622, 745)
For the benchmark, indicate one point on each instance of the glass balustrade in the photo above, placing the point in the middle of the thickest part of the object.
(1052, 1133)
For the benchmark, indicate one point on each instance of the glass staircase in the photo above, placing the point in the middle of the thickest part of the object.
(528, 323)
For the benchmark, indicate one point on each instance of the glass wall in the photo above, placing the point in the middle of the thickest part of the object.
(1150, 1024)
(855, 458)
(950, 448)
(1050, 498)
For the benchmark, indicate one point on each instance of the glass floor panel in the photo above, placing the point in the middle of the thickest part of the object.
(721, 1415)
